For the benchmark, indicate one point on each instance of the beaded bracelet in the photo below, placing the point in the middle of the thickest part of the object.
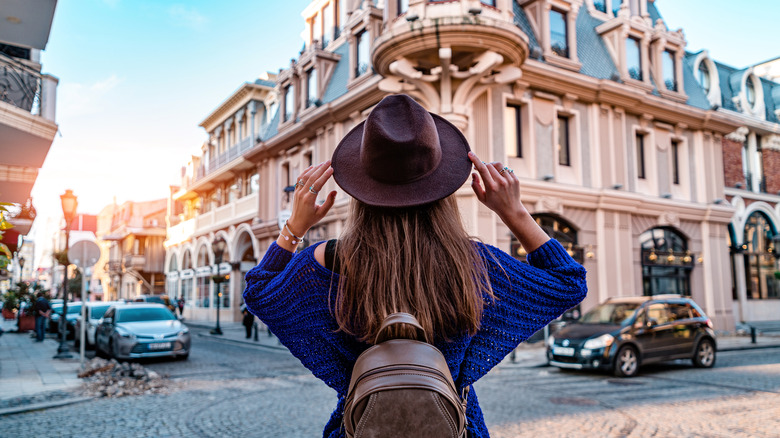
(296, 240)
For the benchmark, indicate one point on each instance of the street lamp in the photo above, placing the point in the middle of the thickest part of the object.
(21, 269)
(69, 205)
(218, 246)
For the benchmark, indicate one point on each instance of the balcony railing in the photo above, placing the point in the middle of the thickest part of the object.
(20, 85)
(222, 159)
(135, 261)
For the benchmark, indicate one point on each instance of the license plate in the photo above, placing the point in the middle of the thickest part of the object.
(160, 346)
(563, 351)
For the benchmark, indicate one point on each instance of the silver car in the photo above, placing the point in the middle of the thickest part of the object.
(130, 331)
(95, 311)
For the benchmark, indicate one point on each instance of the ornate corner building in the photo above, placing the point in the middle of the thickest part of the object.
(621, 148)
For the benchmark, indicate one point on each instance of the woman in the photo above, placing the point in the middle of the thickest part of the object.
(405, 249)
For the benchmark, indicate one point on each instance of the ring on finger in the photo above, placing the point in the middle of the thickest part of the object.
(299, 183)
(311, 189)
(501, 172)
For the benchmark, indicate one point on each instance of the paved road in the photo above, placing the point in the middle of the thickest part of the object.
(230, 390)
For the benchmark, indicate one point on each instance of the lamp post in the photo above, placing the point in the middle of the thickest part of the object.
(218, 246)
(69, 205)
(21, 269)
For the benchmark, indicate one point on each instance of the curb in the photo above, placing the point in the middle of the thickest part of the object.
(749, 347)
(237, 342)
(42, 406)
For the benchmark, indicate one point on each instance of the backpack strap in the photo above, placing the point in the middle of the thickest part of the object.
(331, 261)
(399, 318)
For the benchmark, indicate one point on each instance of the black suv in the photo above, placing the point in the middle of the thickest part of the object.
(623, 333)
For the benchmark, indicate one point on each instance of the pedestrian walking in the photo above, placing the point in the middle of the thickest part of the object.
(42, 311)
(405, 249)
(180, 305)
(248, 321)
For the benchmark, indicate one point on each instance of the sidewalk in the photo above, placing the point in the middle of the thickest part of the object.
(28, 372)
(234, 332)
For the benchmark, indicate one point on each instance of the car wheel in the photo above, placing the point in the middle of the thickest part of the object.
(626, 362)
(704, 356)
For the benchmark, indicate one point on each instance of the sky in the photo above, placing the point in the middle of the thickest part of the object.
(136, 77)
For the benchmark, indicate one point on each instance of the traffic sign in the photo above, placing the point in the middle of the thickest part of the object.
(84, 254)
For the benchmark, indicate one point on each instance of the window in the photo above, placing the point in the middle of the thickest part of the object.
(558, 35)
(513, 143)
(746, 166)
(403, 6)
(679, 311)
(616, 6)
(289, 102)
(704, 76)
(640, 155)
(308, 159)
(668, 71)
(327, 23)
(311, 88)
(254, 183)
(342, 13)
(750, 92)
(489, 2)
(760, 165)
(676, 162)
(633, 58)
(563, 141)
(760, 263)
(362, 58)
(666, 262)
(600, 5)
(316, 29)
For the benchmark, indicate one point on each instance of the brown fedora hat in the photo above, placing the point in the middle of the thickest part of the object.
(401, 156)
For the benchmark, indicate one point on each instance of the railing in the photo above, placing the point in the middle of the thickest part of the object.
(134, 261)
(20, 85)
(228, 214)
(222, 159)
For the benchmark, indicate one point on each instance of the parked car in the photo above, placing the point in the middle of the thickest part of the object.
(74, 310)
(95, 310)
(623, 334)
(161, 299)
(129, 331)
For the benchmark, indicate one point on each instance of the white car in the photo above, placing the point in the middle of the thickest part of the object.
(95, 311)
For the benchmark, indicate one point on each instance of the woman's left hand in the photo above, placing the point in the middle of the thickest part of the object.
(306, 212)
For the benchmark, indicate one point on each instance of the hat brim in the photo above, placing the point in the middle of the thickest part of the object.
(452, 171)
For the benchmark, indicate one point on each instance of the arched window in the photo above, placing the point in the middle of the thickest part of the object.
(186, 282)
(704, 76)
(203, 280)
(666, 262)
(760, 262)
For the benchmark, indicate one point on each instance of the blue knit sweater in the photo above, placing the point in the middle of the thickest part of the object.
(290, 293)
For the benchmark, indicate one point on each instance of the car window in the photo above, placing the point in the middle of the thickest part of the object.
(154, 300)
(74, 309)
(145, 314)
(679, 311)
(610, 313)
(99, 311)
(658, 312)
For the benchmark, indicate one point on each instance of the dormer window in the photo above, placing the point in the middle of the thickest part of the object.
(634, 58)
(316, 28)
(327, 23)
(670, 82)
(750, 91)
(558, 34)
(600, 5)
(362, 53)
(311, 87)
(704, 77)
(289, 102)
(403, 6)
(555, 23)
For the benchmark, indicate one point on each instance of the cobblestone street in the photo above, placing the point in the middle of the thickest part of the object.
(237, 390)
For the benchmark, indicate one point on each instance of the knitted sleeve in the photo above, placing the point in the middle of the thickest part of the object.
(527, 297)
(289, 293)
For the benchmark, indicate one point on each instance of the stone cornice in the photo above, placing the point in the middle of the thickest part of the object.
(232, 104)
(27, 122)
(541, 76)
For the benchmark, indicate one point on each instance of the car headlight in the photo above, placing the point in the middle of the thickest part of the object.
(602, 341)
(550, 340)
(125, 334)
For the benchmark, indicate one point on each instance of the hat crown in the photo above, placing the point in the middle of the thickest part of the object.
(400, 141)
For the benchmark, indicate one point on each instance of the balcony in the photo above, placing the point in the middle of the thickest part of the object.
(238, 211)
(135, 262)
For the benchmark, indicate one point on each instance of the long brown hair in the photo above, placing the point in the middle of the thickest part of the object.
(418, 260)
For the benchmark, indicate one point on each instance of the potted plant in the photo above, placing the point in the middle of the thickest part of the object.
(10, 304)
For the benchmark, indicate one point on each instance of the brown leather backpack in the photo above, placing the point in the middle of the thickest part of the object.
(403, 388)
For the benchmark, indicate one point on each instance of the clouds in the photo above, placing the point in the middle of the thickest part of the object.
(77, 99)
(187, 17)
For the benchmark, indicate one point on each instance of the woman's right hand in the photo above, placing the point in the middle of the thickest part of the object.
(497, 187)
(306, 212)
